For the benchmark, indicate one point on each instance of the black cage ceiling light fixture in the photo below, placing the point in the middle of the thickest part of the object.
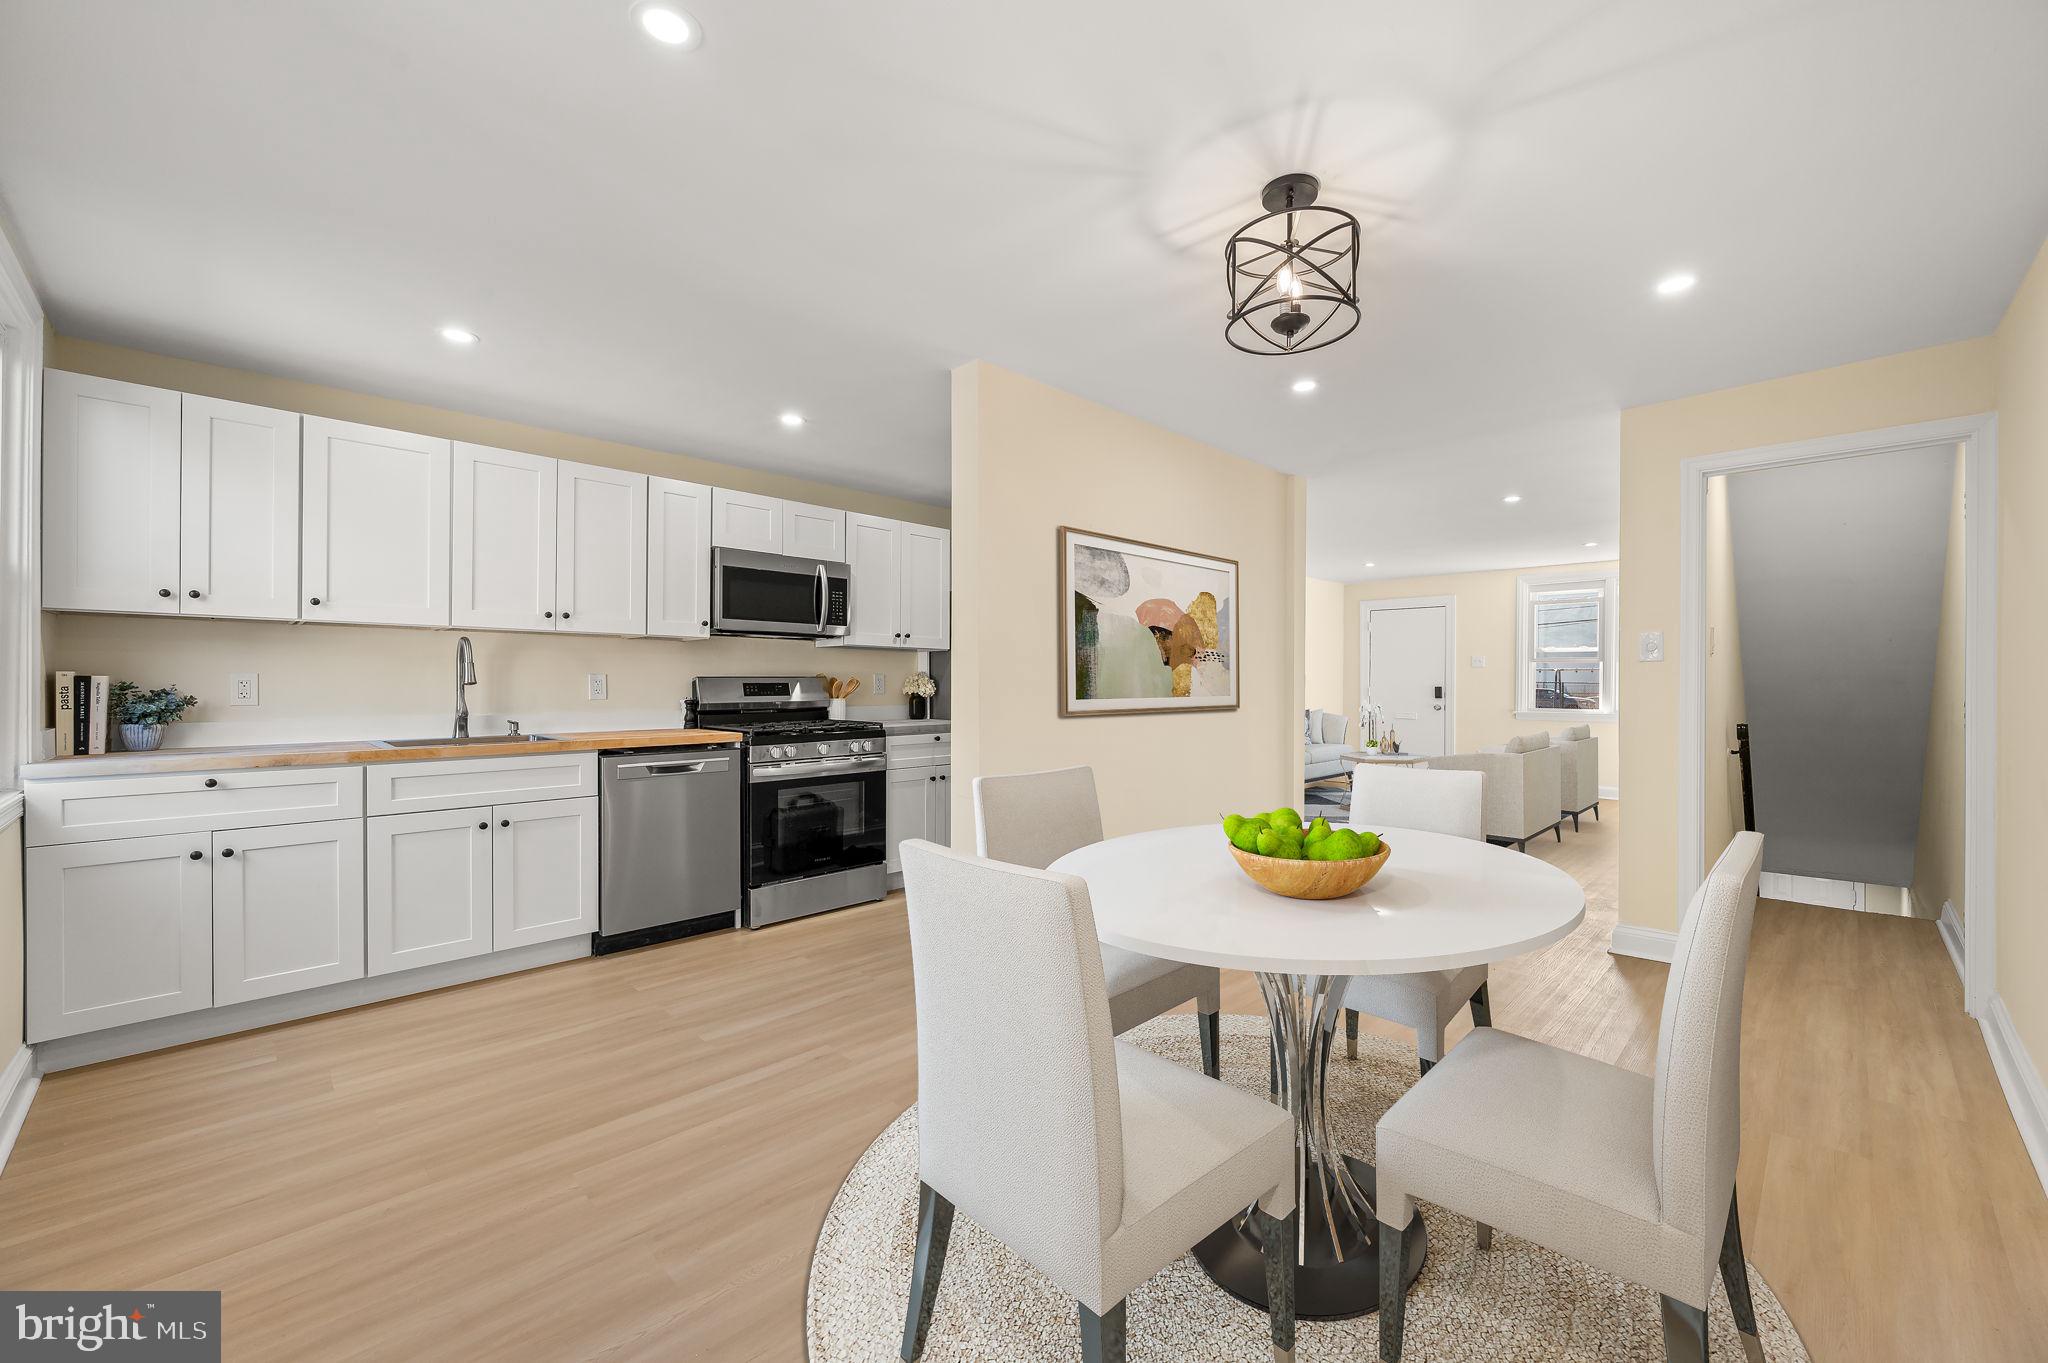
(1293, 274)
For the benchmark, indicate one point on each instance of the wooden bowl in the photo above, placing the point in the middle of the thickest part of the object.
(1311, 879)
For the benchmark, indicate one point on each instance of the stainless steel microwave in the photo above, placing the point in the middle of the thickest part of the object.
(776, 594)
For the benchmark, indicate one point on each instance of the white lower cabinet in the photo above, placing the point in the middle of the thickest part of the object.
(428, 897)
(920, 805)
(117, 932)
(543, 872)
(287, 908)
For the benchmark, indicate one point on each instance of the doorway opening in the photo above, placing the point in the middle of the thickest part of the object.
(1405, 678)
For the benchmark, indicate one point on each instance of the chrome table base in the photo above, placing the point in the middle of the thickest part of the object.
(1337, 1251)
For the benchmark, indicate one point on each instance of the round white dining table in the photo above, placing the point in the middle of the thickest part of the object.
(1439, 903)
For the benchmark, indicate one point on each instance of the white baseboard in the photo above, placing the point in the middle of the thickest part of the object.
(1610, 792)
(17, 1090)
(89, 1048)
(1649, 944)
(2021, 1080)
(1951, 926)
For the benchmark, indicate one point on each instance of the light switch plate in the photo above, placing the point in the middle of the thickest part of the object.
(1650, 646)
(596, 686)
(1478, 660)
(242, 689)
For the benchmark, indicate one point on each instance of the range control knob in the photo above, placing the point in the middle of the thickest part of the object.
(824, 749)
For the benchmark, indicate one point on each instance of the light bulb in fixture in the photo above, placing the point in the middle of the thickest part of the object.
(1304, 385)
(1672, 285)
(792, 419)
(1512, 498)
(458, 335)
(667, 24)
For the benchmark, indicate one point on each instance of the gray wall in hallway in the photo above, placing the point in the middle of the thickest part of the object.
(1838, 570)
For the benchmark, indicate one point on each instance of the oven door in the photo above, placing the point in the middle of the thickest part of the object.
(754, 593)
(814, 818)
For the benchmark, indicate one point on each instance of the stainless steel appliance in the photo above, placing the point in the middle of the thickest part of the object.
(669, 861)
(778, 595)
(814, 812)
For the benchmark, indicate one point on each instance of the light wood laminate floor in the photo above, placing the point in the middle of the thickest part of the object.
(629, 1158)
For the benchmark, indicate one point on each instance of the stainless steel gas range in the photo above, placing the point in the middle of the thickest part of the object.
(813, 821)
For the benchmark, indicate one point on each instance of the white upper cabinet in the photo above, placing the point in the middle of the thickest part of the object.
(874, 551)
(924, 614)
(600, 550)
(678, 559)
(239, 511)
(742, 520)
(503, 573)
(110, 495)
(814, 532)
(376, 525)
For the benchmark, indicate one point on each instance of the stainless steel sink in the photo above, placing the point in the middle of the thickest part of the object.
(471, 741)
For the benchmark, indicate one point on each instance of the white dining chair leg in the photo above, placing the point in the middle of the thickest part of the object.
(934, 1229)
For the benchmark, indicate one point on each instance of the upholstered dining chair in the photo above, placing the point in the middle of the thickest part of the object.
(1097, 1162)
(1632, 1174)
(1435, 802)
(1033, 819)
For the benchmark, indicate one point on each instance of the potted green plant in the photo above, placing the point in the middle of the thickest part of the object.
(143, 714)
(920, 687)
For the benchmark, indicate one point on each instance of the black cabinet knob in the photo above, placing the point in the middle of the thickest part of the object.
(704, 624)
(504, 823)
(315, 600)
(227, 851)
(198, 856)
(931, 778)
(548, 614)
(163, 591)
(194, 593)
(485, 824)
(942, 778)
(565, 615)
(211, 783)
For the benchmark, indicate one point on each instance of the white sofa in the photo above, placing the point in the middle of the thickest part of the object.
(1323, 734)
(1579, 771)
(1524, 787)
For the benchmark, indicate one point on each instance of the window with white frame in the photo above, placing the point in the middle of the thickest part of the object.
(1564, 654)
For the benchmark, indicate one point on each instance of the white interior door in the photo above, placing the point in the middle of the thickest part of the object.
(504, 539)
(601, 550)
(1406, 672)
(239, 542)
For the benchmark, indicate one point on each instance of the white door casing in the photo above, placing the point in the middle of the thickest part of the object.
(1404, 667)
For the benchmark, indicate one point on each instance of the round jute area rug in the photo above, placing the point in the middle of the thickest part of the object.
(1510, 1303)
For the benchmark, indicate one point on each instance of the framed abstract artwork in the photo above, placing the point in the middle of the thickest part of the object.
(1144, 629)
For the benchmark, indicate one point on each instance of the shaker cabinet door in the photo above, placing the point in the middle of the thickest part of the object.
(110, 495)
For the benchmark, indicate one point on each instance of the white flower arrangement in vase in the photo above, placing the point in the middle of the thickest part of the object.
(920, 687)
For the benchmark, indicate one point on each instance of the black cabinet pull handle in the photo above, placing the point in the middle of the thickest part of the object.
(227, 851)
(194, 593)
(485, 824)
(315, 600)
(198, 856)
(211, 783)
(504, 823)
(163, 591)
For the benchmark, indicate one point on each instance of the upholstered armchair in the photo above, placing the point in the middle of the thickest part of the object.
(1524, 788)
(1579, 771)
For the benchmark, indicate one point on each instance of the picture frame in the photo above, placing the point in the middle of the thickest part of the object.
(1145, 629)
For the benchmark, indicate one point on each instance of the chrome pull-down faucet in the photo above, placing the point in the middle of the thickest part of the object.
(465, 677)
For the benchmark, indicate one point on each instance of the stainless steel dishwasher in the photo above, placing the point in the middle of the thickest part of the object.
(670, 830)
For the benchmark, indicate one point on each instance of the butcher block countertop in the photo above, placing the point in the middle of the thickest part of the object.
(254, 756)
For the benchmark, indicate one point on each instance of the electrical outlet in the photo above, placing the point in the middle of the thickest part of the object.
(242, 689)
(596, 686)
(881, 685)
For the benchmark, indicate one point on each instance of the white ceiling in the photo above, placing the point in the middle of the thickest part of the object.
(827, 206)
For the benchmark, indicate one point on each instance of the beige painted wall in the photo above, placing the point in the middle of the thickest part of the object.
(2022, 656)
(1920, 385)
(1028, 459)
(1324, 662)
(10, 941)
(1938, 851)
(1483, 697)
(1725, 701)
(354, 675)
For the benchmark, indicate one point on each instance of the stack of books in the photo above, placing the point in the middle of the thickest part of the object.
(81, 714)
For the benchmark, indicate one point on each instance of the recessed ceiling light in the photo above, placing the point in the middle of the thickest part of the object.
(792, 419)
(458, 335)
(1304, 385)
(1672, 285)
(667, 24)
(1590, 544)
(1512, 498)
(1372, 565)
